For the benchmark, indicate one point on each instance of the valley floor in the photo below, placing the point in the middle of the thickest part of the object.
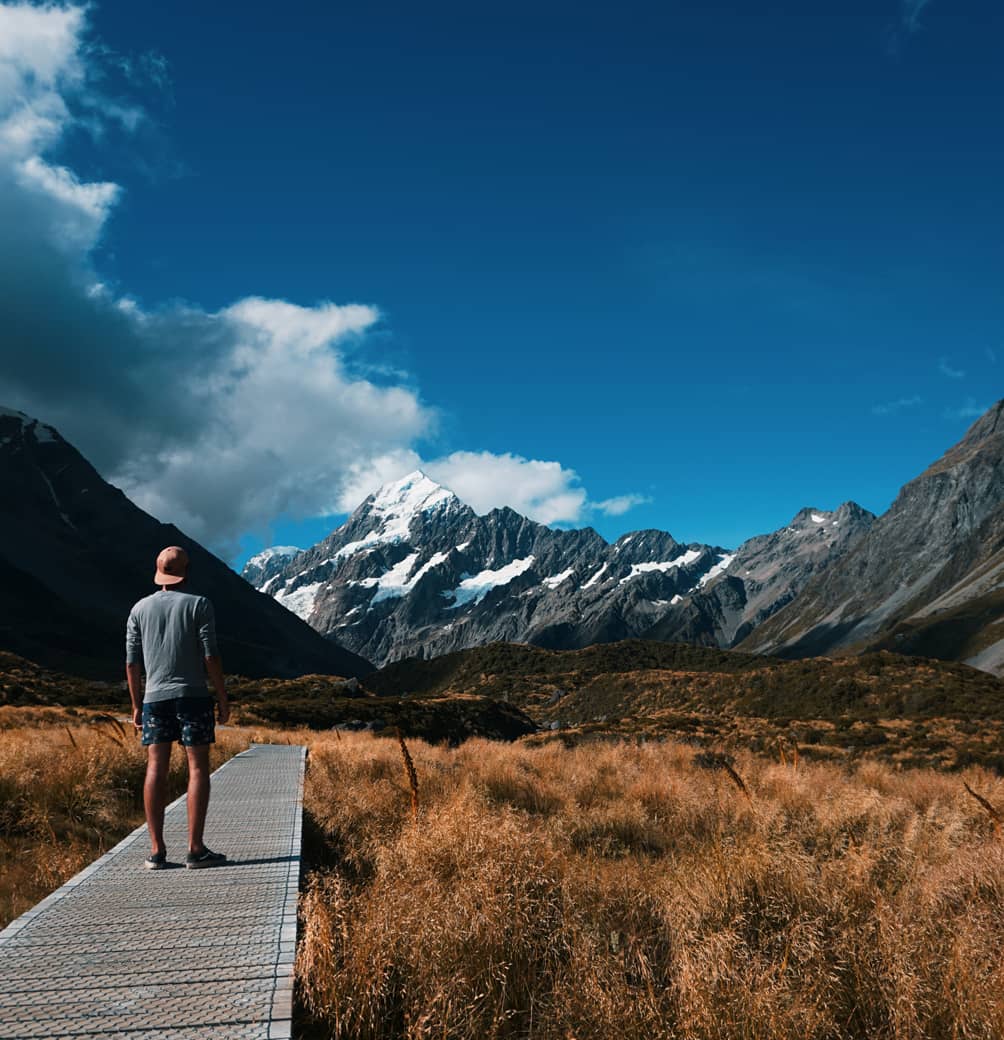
(604, 890)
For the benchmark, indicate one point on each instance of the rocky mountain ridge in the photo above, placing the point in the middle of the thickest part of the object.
(928, 578)
(414, 572)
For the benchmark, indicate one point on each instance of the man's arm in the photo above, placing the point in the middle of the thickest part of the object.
(134, 677)
(214, 666)
(134, 669)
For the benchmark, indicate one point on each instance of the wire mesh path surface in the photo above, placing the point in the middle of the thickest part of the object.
(124, 951)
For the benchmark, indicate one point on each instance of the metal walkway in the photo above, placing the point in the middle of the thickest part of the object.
(186, 954)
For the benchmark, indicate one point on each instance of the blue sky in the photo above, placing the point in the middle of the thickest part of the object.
(718, 266)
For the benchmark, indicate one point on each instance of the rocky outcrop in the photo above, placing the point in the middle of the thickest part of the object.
(928, 577)
(75, 554)
(765, 574)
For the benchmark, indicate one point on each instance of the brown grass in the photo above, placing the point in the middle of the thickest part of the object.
(618, 891)
(70, 788)
(605, 891)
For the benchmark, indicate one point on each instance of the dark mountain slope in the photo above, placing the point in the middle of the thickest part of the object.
(75, 554)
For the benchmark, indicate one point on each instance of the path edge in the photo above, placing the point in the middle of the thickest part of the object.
(280, 1026)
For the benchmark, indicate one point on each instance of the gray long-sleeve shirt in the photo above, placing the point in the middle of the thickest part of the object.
(171, 633)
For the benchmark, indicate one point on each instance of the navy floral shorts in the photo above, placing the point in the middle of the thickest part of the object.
(188, 719)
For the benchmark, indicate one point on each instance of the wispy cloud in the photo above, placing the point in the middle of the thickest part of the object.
(946, 370)
(991, 355)
(620, 504)
(910, 12)
(908, 24)
(891, 407)
(969, 410)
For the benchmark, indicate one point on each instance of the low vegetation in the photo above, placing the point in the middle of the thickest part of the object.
(71, 786)
(618, 889)
(646, 891)
(907, 711)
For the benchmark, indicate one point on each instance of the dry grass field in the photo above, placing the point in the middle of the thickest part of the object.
(609, 890)
(623, 891)
(71, 786)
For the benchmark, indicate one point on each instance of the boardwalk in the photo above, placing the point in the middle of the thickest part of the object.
(186, 954)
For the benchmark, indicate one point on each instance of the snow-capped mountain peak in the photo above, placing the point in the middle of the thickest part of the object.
(260, 559)
(414, 571)
(403, 499)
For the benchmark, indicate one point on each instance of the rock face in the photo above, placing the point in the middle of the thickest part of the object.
(928, 578)
(415, 572)
(75, 554)
(766, 573)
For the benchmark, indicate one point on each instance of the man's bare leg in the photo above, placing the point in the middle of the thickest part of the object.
(158, 763)
(198, 795)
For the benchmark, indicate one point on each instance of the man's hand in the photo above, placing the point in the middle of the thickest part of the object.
(134, 677)
(214, 666)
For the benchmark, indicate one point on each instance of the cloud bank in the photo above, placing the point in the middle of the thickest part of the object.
(217, 421)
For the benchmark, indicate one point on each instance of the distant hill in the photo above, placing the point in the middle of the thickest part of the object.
(75, 554)
(636, 677)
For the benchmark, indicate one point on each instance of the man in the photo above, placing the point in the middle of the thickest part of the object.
(173, 634)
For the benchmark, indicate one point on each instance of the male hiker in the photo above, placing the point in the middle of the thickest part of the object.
(172, 633)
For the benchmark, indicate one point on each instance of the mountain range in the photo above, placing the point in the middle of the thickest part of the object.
(417, 573)
(76, 553)
(414, 572)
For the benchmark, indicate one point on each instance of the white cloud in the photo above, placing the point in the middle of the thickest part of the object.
(216, 421)
(544, 491)
(38, 47)
(363, 477)
(946, 370)
(222, 421)
(620, 504)
(891, 407)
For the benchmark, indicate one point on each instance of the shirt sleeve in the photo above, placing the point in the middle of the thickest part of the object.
(134, 641)
(207, 629)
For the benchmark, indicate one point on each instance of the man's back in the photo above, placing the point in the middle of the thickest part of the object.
(171, 632)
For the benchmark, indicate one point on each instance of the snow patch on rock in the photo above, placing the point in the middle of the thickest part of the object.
(596, 577)
(556, 579)
(645, 568)
(724, 560)
(260, 559)
(474, 589)
(300, 601)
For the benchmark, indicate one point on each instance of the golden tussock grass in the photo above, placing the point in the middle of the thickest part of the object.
(618, 891)
(71, 786)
